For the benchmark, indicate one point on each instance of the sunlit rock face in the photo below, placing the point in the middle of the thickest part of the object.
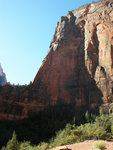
(2, 76)
(77, 70)
(79, 65)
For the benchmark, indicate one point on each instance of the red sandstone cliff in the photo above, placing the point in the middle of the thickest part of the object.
(80, 59)
(78, 68)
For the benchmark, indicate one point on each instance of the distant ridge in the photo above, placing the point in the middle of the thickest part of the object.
(3, 79)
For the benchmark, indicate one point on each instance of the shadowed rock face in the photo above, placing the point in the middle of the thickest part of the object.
(78, 68)
(2, 76)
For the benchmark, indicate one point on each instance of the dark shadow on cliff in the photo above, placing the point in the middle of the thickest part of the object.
(84, 96)
(44, 125)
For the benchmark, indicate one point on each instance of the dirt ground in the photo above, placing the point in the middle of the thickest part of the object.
(86, 145)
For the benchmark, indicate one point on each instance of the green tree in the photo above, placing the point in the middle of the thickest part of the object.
(87, 116)
(12, 144)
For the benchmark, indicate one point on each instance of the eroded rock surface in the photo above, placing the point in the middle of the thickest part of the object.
(3, 79)
(79, 64)
(78, 68)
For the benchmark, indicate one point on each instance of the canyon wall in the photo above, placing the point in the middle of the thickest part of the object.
(79, 65)
(78, 68)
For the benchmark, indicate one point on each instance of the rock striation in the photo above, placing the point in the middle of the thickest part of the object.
(77, 69)
(79, 65)
(3, 79)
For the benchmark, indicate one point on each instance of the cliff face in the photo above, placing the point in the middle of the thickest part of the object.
(78, 68)
(79, 65)
(3, 79)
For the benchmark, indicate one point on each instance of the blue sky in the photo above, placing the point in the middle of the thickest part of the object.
(26, 30)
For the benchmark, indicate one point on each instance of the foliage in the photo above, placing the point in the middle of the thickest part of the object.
(38, 127)
(65, 136)
(87, 116)
(100, 128)
(104, 121)
(42, 146)
(99, 144)
(112, 129)
(25, 146)
(12, 143)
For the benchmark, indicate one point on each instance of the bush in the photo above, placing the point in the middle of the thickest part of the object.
(65, 136)
(42, 146)
(112, 129)
(104, 121)
(90, 131)
(101, 128)
(99, 144)
(25, 146)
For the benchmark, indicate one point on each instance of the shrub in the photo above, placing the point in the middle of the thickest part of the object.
(99, 144)
(42, 146)
(104, 121)
(25, 146)
(100, 129)
(65, 136)
(90, 131)
(112, 129)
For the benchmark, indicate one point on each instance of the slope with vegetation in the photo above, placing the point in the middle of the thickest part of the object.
(100, 127)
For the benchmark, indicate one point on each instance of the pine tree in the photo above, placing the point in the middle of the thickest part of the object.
(12, 144)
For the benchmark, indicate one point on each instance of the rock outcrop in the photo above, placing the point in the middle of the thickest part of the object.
(78, 68)
(3, 79)
(79, 65)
